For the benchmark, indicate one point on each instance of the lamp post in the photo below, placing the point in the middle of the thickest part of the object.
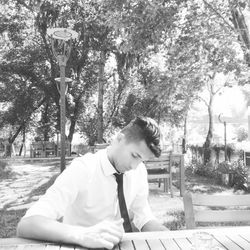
(225, 135)
(61, 40)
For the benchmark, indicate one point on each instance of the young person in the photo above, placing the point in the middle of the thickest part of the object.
(85, 195)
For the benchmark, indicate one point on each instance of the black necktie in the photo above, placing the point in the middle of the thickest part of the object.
(122, 204)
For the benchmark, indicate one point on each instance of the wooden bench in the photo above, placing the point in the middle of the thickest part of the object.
(37, 149)
(212, 208)
(160, 169)
(50, 149)
(67, 149)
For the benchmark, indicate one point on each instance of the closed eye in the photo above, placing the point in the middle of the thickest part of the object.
(136, 156)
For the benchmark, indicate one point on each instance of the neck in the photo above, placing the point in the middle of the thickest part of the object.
(110, 155)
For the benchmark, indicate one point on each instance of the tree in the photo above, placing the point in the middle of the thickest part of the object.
(157, 49)
(240, 19)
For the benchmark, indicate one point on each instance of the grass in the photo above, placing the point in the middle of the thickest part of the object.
(10, 219)
(5, 171)
(178, 221)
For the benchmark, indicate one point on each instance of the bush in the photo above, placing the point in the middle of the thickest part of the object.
(5, 171)
(178, 222)
(242, 134)
(239, 171)
(236, 170)
(202, 170)
(225, 167)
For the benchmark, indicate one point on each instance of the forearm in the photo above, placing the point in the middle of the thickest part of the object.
(105, 234)
(42, 228)
(153, 225)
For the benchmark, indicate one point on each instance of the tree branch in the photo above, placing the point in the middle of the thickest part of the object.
(219, 15)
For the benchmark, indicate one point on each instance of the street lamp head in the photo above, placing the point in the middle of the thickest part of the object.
(67, 81)
(61, 40)
(219, 117)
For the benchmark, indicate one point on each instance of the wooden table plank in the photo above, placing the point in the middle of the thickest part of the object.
(83, 248)
(18, 241)
(216, 243)
(31, 247)
(126, 245)
(10, 247)
(233, 238)
(246, 236)
(244, 244)
(64, 247)
(225, 241)
(155, 244)
(141, 245)
(170, 244)
(183, 243)
(52, 247)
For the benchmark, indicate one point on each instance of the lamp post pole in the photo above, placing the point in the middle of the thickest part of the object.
(62, 64)
(61, 39)
(225, 139)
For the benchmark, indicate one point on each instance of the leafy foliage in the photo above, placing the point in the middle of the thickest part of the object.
(158, 56)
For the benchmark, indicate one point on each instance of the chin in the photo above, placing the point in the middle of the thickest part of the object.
(127, 169)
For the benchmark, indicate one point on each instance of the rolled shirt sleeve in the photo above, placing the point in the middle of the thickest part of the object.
(61, 194)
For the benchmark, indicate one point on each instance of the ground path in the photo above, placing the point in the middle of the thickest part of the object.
(25, 177)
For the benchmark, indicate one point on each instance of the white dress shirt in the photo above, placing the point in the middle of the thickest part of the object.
(86, 193)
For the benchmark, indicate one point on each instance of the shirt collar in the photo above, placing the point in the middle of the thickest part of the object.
(107, 167)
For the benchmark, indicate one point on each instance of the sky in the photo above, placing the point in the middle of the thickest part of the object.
(231, 104)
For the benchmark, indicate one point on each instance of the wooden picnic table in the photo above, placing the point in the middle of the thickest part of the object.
(234, 238)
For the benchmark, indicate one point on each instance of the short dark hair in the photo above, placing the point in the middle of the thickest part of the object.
(144, 128)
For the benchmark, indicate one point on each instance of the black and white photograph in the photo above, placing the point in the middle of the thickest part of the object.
(125, 124)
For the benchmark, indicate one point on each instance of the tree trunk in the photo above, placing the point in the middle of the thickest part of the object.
(8, 150)
(240, 25)
(71, 129)
(183, 144)
(100, 98)
(20, 150)
(45, 119)
(73, 119)
(11, 139)
(23, 148)
(209, 138)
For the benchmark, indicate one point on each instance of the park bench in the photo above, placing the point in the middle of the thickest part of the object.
(37, 149)
(67, 149)
(208, 209)
(47, 149)
(50, 149)
(160, 169)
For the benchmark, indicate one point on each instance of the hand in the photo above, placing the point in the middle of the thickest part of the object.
(153, 225)
(104, 234)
